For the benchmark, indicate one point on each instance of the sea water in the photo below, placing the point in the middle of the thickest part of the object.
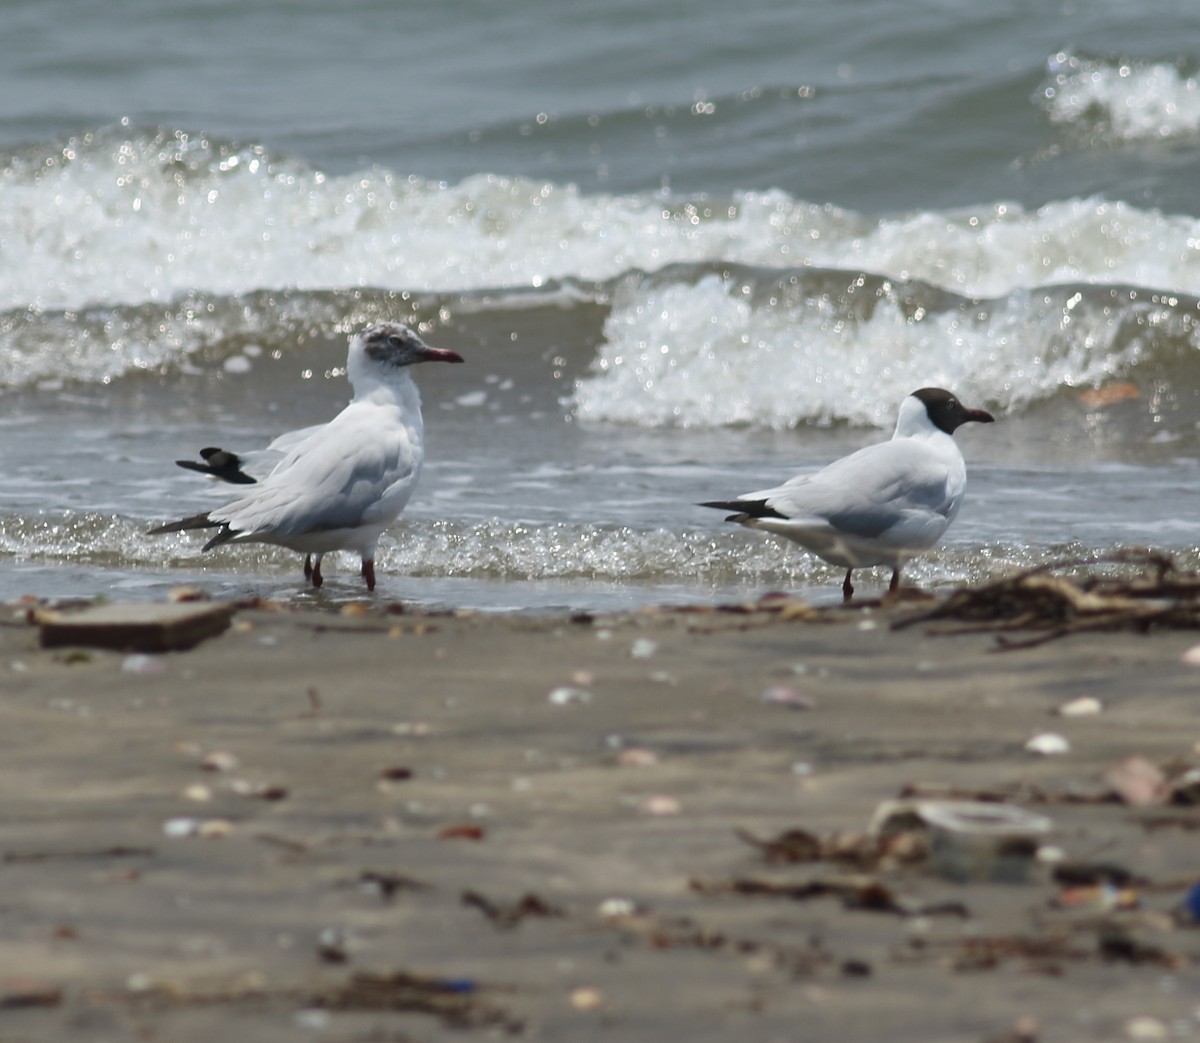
(687, 251)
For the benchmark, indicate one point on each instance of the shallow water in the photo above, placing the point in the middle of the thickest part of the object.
(684, 254)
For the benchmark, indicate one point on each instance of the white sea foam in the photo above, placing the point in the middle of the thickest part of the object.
(705, 355)
(126, 218)
(1122, 101)
(183, 230)
(695, 557)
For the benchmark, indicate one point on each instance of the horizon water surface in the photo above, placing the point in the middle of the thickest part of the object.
(685, 253)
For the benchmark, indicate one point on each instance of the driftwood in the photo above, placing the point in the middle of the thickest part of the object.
(1157, 594)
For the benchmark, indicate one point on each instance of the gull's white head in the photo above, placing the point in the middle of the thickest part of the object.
(388, 347)
(935, 409)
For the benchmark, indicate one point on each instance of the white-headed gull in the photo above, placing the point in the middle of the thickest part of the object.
(880, 505)
(334, 486)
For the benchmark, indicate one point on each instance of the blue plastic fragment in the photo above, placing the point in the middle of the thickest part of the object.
(1192, 902)
(459, 985)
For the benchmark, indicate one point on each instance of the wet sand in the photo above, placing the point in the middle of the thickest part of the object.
(427, 828)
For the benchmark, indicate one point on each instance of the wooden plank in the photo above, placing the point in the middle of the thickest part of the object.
(136, 627)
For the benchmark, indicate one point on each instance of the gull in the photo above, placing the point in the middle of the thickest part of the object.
(333, 486)
(880, 505)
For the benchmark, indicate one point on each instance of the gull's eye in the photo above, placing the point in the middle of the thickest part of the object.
(396, 341)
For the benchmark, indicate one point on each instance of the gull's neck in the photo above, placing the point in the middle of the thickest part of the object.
(381, 385)
(913, 422)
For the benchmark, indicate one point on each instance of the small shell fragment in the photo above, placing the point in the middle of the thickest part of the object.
(258, 790)
(1138, 782)
(661, 804)
(566, 695)
(637, 757)
(1084, 706)
(214, 828)
(181, 827)
(787, 697)
(1192, 656)
(1048, 744)
(587, 998)
(1146, 1027)
(643, 648)
(197, 793)
(1051, 854)
(219, 760)
(143, 665)
(194, 827)
(176, 595)
(139, 982)
(611, 908)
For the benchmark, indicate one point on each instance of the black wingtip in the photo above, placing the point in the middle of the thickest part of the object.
(743, 509)
(224, 534)
(221, 464)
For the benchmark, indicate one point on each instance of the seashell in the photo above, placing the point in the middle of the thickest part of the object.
(219, 760)
(1138, 782)
(177, 595)
(566, 695)
(661, 804)
(612, 908)
(587, 998)
(1146, 1027)
(143, 665)
(1084, 706)
(214, 828)
(790, 698)
(181, 827)
(1048, 744)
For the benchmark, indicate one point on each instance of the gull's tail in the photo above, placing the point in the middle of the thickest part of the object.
(197, 521)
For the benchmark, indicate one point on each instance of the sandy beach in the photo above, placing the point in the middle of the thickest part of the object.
(371, 825)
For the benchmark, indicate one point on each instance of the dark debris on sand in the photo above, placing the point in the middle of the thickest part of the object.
(1155, 595)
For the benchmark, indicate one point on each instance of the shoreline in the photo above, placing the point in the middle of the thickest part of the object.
(381, 824)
